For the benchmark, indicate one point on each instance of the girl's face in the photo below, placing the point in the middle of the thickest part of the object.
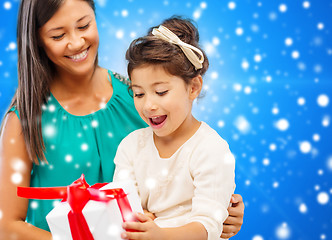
(70, 38)
(163, 101)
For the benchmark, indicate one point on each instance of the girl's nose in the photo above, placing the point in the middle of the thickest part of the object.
(150, 104)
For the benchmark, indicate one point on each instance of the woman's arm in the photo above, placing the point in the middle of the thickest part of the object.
(233, 223)
(15, 170)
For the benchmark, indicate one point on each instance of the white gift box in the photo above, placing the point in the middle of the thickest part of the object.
(104, 219)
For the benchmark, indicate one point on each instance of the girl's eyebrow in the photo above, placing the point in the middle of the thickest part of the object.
(154, 84)
(59, 28)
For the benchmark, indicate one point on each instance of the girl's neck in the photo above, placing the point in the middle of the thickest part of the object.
(168, 145)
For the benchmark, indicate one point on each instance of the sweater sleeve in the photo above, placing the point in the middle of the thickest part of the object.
(212, 168)
(124, 166)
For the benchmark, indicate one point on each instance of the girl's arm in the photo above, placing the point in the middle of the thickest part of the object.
(15, 170)
(148, 229)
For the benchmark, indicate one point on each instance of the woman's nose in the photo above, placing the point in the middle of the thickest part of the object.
(76, 42)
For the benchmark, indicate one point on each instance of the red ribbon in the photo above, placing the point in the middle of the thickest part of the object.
(77, 195)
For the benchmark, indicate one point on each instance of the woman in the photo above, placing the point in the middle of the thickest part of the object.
(67, 116)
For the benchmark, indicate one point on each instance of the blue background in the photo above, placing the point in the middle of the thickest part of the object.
(267, 92)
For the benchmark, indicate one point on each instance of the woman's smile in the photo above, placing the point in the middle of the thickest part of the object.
(80, 56)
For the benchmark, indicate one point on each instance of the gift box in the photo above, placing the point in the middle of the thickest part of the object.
(88, 213)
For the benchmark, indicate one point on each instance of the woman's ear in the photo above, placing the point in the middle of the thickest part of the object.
(195, 87)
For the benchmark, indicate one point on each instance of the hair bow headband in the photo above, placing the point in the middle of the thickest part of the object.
(167, 35)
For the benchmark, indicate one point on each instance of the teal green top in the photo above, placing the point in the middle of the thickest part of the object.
(81, 144)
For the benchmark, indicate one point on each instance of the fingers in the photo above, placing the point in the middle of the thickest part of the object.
(134, 226)
(137, 226)
(227, 235)
(149, 214)
(228, 229)
(132, 235)
(142, 217)
(236, 198)
(236, 211)
(231, 220)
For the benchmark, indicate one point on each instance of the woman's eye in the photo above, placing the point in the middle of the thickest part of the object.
(84, 27)
(138, 95)
(162, 93)
(58, 37)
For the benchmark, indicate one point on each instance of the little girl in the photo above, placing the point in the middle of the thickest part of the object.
(183, 170)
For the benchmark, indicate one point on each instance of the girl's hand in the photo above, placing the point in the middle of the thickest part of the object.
(144, 229)
(149, 215)
(233, 223)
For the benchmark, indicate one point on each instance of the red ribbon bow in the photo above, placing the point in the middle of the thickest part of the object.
(77, 195)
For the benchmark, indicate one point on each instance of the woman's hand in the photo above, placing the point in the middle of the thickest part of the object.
(144, 229)
(233, 223)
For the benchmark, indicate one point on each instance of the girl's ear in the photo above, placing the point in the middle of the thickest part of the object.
(195, 87)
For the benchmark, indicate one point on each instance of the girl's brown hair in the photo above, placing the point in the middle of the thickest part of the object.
(152, 50)
(35, 71)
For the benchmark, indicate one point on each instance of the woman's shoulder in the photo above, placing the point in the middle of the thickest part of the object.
(11, 124)
(120, 78)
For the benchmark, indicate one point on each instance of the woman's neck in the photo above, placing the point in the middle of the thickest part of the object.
(82, 95)
(70, 84)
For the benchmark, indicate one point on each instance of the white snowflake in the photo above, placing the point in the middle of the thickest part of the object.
(306, 4)
(283, 231)
(320, 26)
(124, 13)
(16, 178)
(203, 5)
(150, 183)
(316, 137)
(326, 121)
(323, 198)
(305, 147)
(323, 100)
(257, 58)
(231, 5)
(7, 5)
(68, 158)
(273, 147)
(288, 41)
(34, 205)
(301, 101)
(329, 163)
(119, 34)
(282, 8)
(266, 161)
(282, 124)
(295, 54)
(239, 31)
(245, 65)
(242, 124)
(197, 14)
(84, 147)
(257, 237)
(303, 208)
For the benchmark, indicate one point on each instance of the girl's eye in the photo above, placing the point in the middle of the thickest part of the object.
(162, 93)
(58, 37)
(84, 27)
(138, 95)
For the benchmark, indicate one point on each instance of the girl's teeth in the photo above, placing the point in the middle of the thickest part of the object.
(79, 56)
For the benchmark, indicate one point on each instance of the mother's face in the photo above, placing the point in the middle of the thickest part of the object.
(70, 38)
